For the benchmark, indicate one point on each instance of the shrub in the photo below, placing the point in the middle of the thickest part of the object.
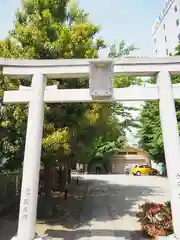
(155, 219)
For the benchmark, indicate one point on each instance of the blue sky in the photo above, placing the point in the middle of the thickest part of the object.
(129, 20)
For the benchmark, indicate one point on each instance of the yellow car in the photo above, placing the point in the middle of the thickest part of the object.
(139, 170)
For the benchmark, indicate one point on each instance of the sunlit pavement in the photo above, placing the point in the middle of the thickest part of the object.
(112, 202)
(109, 211)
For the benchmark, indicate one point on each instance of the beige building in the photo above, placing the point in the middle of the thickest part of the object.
(128, 156)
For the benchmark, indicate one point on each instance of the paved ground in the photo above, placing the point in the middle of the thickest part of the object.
(113, 202)
(110, 207)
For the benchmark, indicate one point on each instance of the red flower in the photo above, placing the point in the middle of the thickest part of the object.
(158, 233)
(154, 209)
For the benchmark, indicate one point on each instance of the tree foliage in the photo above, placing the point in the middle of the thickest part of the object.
(119, 50)
(45, 29)
(150, 132)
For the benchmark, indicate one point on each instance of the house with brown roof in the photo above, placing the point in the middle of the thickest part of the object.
(128, 156)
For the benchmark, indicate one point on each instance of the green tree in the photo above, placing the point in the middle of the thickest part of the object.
(119, 50)
(150, 132)
(50, 30)
(177, 50)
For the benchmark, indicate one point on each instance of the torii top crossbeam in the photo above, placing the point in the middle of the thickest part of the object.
(73, 68)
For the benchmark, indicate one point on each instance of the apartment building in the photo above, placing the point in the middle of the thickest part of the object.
(166, 29)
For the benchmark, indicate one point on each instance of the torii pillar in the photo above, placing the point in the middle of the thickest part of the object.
(32, 156)
(171, 141)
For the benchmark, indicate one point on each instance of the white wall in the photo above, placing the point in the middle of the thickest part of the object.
(171, 31)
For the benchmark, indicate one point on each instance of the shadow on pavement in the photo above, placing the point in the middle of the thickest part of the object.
(71, 235)
(76, 212)
(121, 200)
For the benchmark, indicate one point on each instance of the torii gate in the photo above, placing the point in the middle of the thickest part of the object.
(101, 89)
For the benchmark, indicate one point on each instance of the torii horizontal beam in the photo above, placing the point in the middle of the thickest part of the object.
(53, 95)
(73, 68)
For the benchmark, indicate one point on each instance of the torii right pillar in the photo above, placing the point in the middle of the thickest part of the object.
(171, 141)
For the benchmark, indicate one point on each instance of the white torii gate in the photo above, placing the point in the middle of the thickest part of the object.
(101, 89)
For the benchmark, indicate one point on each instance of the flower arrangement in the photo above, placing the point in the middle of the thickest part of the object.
(155, 219)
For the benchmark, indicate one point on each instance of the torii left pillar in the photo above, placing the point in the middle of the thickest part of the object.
(32, 156)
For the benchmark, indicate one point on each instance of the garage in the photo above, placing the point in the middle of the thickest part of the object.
(129, 156)
(117, 165)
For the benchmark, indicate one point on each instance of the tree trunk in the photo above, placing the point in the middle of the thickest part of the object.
(45, 207)
(69, 172)
(63, 177)
(59, 177)
(49, 178)
(69, 176)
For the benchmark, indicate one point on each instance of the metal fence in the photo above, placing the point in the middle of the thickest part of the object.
(9, 186)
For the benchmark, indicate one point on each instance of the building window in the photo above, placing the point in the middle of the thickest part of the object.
(155, 40)
(165, 39)
(167, 52)
(132, 153)
(156, 51)
(164, 26)
(175, 8)
(177, 22)
(179, 37)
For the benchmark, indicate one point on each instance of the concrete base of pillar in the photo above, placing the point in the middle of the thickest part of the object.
(170, 237)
